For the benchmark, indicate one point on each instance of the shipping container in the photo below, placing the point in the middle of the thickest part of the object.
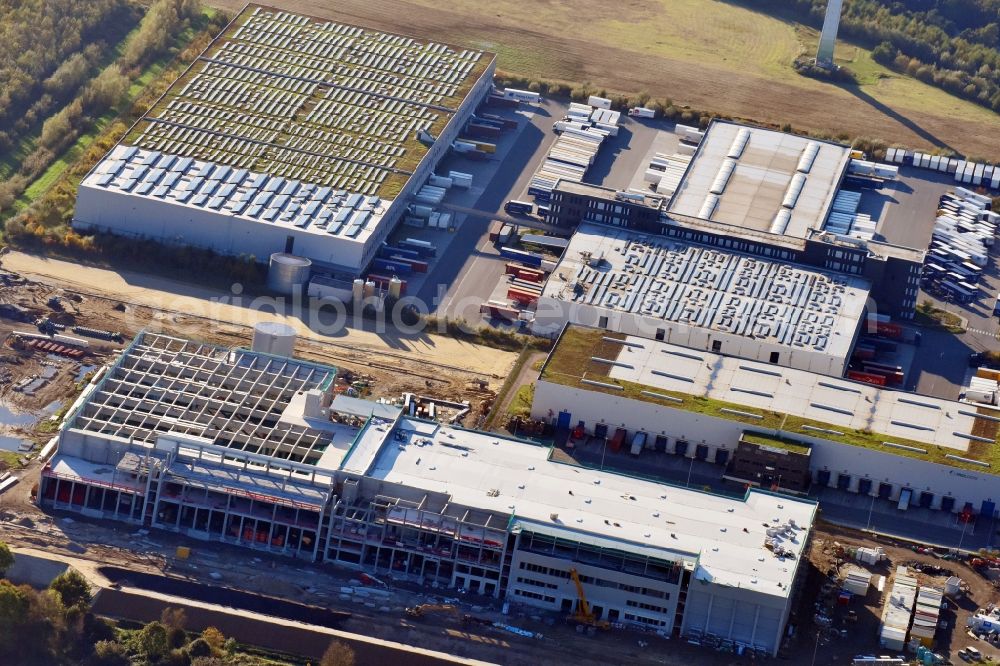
(618, 439)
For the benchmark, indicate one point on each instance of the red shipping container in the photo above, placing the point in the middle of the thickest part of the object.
(866, 377)
(618, 440)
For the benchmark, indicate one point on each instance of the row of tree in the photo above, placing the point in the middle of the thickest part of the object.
(953, 44)
(57, 626)
(49, 49)
(83, 88)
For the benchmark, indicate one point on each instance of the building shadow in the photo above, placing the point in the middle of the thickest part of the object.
(890, 112)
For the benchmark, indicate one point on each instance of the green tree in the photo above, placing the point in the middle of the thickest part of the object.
(151, 641)
(73, 589)
(109, 653)
(338, 654)
(6, 558)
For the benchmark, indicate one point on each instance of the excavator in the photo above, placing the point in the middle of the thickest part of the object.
(583, 614)
(448, 609)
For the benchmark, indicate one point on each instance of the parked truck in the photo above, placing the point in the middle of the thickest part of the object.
(642, 112)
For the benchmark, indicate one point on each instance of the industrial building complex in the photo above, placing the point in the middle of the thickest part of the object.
(789, 428)
(765, 193)
(288, 134)
(253, 449)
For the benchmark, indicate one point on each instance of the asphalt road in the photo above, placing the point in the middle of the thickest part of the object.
(456, 288)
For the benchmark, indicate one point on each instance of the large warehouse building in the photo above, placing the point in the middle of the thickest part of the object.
(288, 134)
(769, 194)
(253, 449)
(706, 298)
(933, 453)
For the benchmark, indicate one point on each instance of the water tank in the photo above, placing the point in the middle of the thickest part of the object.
(358, 290)
(287, 273)
(272, 337)
(395, 288)
(369, 289)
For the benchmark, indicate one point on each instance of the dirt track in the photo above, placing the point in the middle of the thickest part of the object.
(700, 86)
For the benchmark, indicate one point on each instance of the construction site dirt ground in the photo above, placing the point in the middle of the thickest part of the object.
(433, 366)
(846, 638)
(202, 312)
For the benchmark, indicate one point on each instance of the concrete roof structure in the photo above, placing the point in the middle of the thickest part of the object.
(747, 176)
(492, 473)
(791, 401)
(712, 288)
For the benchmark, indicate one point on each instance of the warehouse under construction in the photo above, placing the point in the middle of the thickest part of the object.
(256, 449)
(288, 134)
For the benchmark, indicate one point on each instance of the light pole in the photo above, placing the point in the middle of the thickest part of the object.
(871, 509)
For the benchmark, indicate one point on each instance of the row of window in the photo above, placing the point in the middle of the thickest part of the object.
(645, 606)
(645, 620)
(535, 595)
(588, 580)
(537, 583)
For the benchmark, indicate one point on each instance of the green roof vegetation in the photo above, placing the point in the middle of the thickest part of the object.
(571, 364)
(773, 441)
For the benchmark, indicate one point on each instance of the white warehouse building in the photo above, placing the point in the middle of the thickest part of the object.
(935, 453)
(705, 298)
(288, 134)
(255, 450)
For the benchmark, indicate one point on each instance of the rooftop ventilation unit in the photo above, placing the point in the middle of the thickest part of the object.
(808, 157)
(739, 143)
(708, 208)
(722, 178)
(794, 190)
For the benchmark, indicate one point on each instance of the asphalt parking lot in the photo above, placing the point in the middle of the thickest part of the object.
(457, 288)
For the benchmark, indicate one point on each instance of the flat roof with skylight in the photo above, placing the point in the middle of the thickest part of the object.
(761, 179)
(791, 401)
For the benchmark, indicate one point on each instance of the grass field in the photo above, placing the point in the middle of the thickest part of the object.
(709, 54)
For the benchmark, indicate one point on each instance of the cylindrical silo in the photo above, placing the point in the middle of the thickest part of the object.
(369, 289)
(358, 290)
(287, 273)
(395, 288)
(273, 337)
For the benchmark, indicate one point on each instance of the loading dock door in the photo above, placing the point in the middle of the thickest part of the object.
(823, 477)
(701, 452)
(926, 499)
(988, 509)
(661, 443)
(947, 503)
(864, 486)
(843, 481)
(884, 491)
(564, 420)
(601, 430)
(680, 447)
(721, 456)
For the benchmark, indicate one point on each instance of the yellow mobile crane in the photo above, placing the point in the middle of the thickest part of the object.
(583, 613)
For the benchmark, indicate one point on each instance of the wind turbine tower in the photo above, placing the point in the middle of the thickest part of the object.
(828, 38)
